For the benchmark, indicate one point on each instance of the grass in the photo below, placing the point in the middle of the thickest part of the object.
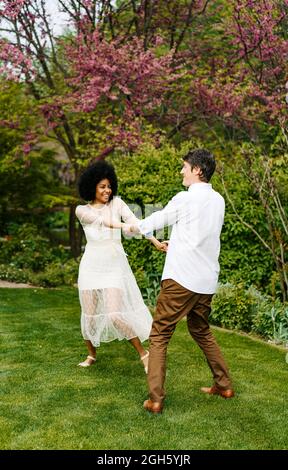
(49, 403)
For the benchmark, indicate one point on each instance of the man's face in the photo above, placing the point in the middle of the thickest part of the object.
(188, 174)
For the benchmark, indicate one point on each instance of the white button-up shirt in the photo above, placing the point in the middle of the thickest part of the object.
(196, 217)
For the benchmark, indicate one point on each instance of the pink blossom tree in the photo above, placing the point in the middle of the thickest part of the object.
(244, 87)
(94, 91)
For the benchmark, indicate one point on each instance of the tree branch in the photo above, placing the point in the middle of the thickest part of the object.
(265, 244)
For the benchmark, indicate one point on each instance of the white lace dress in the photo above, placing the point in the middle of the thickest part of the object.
(111, 303)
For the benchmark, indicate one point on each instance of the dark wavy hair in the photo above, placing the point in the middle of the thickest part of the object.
(95, 173)
(203, 159)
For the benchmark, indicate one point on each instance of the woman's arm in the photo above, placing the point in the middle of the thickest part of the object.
(85, 215)
(130, 225)
(124, 213)
(130, 229)
(161, 246)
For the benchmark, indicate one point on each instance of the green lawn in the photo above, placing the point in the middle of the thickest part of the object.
(47, 402)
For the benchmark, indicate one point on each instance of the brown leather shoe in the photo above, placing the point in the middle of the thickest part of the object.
(153, 406)
(229, 393)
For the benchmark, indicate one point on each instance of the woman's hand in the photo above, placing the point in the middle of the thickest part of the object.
(129, 229)
(161, 246)
(166, 243)
(110, 223)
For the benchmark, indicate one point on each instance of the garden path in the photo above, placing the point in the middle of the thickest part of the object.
(14, 284)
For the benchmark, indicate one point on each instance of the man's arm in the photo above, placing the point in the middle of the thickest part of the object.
(160, 219)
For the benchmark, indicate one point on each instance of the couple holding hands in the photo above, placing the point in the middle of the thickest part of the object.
(111, 303)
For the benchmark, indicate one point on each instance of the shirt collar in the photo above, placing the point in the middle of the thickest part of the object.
(196, 186)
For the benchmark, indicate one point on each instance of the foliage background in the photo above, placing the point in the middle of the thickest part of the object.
(140, 83)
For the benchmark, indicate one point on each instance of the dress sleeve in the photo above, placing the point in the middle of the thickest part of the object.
(85, 216)
(127, 215)
(130, 218)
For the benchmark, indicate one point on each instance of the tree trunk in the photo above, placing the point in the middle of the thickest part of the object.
(75, 233)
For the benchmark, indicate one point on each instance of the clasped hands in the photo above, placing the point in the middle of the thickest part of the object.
(161, 246)
(129, 229)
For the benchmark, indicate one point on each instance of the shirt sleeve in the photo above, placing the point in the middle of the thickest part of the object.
(130, 218)
(167, 216)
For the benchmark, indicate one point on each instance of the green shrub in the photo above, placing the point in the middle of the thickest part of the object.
(152, 176)
(243, 258)
(8, 272)
(26, 248)
(271, 320)
(149, 177)
(57, 274)
(54, 274)
(151, 291)
(146, 262)
(231, 308)
(235, 307)
(71, 268)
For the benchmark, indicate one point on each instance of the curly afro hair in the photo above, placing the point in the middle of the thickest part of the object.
(95, 173)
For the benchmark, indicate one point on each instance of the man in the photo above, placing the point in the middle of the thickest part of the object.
(190, 274)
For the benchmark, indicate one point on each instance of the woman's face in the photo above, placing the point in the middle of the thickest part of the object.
(103, 191)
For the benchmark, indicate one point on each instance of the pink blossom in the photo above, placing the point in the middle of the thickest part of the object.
(11, 8)
(15, 61)
(9, 124)
(26, 148)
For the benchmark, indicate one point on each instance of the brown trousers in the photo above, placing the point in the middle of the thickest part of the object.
(174, 302)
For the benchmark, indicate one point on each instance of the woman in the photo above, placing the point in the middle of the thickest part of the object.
(111, 303)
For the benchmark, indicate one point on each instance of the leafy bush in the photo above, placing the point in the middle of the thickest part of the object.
(146, 262)
(32, 259)
(271, 320)
(240, 247)
(152, 289)
(8, 272)
(149, 180)
(57, 274)
(54, 274)
(234, 307)
(26, 248)
(231, 308)
(152, 176)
